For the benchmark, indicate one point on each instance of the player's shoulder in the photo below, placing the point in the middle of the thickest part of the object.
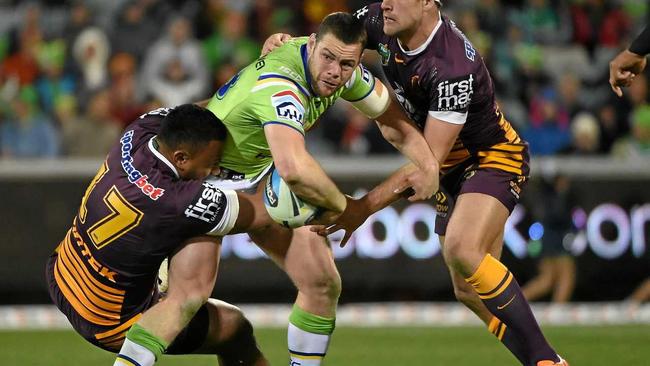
(455, 55)
(283, 70)
(204, 202)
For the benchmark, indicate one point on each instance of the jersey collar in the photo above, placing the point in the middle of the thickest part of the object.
(152, 146)
(424, 45)
(305, 65)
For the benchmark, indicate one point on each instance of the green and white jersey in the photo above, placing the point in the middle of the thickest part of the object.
(274, 89)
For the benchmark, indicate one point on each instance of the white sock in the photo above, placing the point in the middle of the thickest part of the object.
(133, 354)
(306, 349)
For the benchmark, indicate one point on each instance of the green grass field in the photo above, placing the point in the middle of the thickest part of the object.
(472, 346)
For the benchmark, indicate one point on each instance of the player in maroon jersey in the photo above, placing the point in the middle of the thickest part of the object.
(149, 201)
(443, 85)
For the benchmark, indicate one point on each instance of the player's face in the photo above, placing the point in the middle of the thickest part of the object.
(401, 16)
(331, 63)
(200, 163)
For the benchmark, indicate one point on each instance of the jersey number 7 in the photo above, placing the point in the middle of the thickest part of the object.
(122, 218)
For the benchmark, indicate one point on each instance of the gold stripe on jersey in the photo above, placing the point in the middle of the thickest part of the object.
(457, 155)
(79, 282)
(75, 279)
(509, 132)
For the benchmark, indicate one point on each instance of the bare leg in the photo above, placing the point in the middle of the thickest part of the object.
(565, 279)
(541, 284)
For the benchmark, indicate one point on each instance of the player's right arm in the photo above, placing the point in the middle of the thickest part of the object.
(300, 170)
(192, 274)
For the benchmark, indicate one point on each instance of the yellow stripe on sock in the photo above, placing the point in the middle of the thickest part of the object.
(124, 361)
(502, 331)
(303, 357)
(494, 325)
(491, 278)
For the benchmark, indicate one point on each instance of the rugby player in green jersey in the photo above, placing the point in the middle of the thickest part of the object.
(267, 107)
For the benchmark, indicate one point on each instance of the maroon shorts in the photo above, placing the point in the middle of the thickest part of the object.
(111, 338)
(502, 185)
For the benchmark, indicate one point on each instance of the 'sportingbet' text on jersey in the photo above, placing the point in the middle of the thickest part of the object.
(135, 212)
(274, 89)
(446, 78)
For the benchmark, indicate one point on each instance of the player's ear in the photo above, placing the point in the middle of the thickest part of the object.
(180, 158)
(428, 5)
(312, 41)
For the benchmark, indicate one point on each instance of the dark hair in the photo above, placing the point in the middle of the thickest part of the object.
(192, 126)
(345, 27)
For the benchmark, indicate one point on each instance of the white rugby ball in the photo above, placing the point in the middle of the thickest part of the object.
(284, 206)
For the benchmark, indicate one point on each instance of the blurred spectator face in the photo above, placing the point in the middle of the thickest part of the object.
(134, 13)
(586, 133)
(179, 31)
(99, 107)
(80, 14)
(331, 63)
(400, 16)
(122, 66)
(174, 71)
(569, 88)
(235, 25)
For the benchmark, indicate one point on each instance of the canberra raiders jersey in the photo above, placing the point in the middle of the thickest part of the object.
(274, 89)
(445, 78)
(135, 212)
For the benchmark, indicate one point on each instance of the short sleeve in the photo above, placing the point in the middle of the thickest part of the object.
(359, 86)
(207, 210)
(450, 97)
(371, 15)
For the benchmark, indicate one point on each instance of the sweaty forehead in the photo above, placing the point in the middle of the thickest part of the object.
(339, 49)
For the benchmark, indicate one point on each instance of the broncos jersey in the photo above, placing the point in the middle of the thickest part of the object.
(135, 212)
(445, 78)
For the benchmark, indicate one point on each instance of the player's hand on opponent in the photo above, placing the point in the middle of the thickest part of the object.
(274, 41)
(419, 185)
(355, 214)
(623, 68)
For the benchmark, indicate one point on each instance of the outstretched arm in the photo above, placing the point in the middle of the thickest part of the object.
(440, 136)
(397, 129)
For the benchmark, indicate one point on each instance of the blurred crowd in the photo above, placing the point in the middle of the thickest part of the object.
(73, 74)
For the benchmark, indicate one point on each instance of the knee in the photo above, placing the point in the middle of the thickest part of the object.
(462, 255)
(325, 285)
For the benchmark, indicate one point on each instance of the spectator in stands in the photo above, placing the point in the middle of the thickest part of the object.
(28, 133)
(229, 45)
(636, 146)
(90, 134)
(53, 82)
(548, 132)
(557, 270)
(174, 71)
(134, 31)
(585, 135)
(125, 103)
(90, 51)
(598, 23)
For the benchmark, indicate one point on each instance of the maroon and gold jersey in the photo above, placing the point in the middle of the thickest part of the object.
(445, 78)
(135, 212)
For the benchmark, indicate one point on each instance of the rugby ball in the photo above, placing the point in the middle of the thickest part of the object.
(284, 206)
